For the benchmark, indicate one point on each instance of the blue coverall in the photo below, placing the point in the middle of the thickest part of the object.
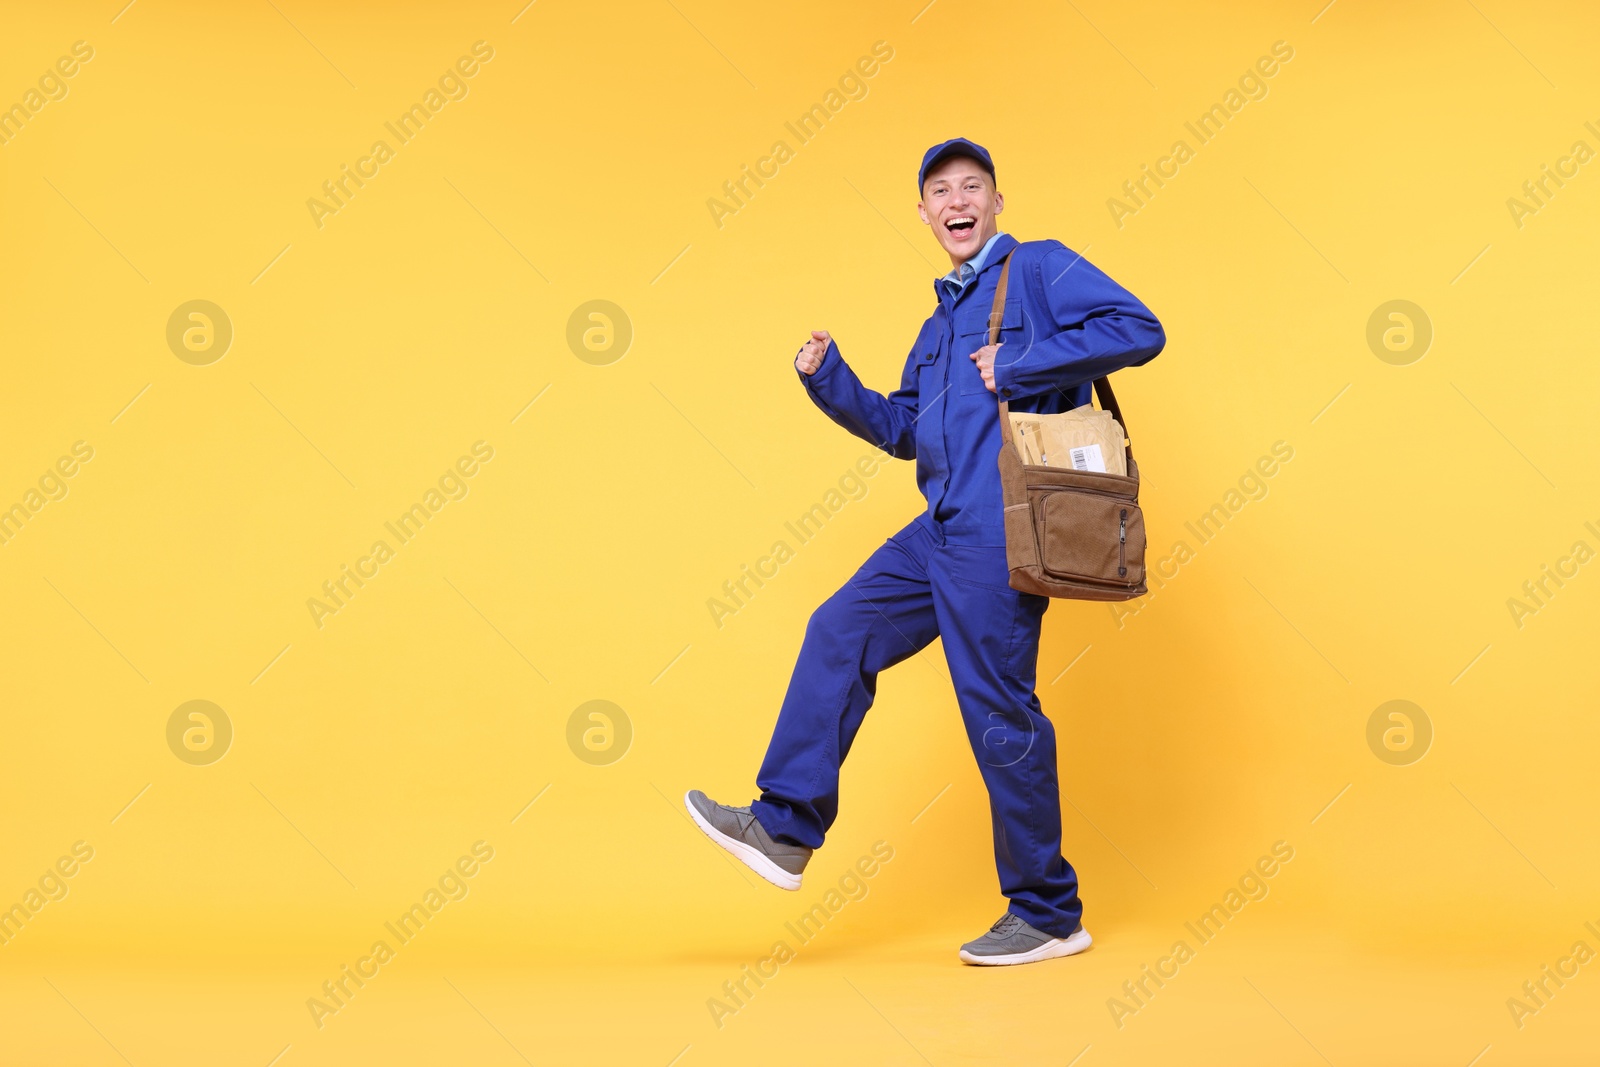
(1065, 323)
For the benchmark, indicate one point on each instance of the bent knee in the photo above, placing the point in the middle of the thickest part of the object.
(840, 617)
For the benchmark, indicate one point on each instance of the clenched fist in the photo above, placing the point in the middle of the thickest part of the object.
(811, 353)
(984, 357)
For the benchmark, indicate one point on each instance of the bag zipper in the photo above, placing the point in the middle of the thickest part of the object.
(1082, 489)
(1122, 543)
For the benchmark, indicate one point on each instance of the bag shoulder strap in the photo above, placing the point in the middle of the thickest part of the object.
(1102, 386)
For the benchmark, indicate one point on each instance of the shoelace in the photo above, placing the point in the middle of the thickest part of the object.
(747, 819)
(1005, 924)
(746, 816)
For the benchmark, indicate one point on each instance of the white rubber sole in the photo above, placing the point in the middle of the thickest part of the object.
(751, 857)
(1060, 946)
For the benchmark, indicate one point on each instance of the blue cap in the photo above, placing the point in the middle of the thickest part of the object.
(956, 146)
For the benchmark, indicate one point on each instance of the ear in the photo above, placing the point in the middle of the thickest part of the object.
(922, 213)
(999, 203)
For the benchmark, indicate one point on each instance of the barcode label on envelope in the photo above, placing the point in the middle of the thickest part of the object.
(1088, 458)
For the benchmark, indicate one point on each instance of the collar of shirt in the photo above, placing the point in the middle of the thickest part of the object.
(957, 280)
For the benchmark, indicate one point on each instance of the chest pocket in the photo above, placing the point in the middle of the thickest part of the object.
(1015, 334)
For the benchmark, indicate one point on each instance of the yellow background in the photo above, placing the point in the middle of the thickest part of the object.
(370, 353)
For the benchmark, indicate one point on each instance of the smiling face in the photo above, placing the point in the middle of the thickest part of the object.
(959, 202)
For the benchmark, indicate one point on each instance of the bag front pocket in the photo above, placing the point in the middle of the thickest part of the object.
(1085, 536)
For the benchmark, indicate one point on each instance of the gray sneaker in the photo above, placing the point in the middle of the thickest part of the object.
(1010, 940)
(737, 830)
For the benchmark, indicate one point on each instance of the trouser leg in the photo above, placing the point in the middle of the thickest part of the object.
(881, 616)
(991, 640)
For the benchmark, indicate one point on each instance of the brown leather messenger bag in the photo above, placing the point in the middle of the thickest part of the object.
(1069, 533)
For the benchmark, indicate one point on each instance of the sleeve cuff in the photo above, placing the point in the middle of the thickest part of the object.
(830, 359)
(1004, 387)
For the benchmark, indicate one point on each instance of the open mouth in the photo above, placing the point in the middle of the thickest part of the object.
(960, 226)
